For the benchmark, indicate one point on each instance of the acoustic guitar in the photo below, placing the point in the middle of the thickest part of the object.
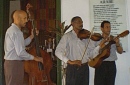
(96, 61)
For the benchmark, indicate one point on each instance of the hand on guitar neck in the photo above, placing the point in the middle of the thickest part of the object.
(113, 39)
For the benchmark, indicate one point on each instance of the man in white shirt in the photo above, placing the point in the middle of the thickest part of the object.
(106, 72)
(71, 50)
(15, 53)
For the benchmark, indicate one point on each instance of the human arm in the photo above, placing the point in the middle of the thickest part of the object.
(29, 39)
(38, 59)
(95, 47)
(19, 46)
(60, 51)
(118, 46)
(75, 62)
(64, 49)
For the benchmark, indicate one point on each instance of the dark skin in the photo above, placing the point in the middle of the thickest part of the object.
(105, 33)
(77, 25)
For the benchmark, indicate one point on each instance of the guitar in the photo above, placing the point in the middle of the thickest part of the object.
(96, 61)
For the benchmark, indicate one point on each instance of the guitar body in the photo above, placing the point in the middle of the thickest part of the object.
(105, 53)
(96, 62)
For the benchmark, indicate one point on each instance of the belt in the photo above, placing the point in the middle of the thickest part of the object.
(15, 60)
(84, 63)
(81, 64)
(108, 61)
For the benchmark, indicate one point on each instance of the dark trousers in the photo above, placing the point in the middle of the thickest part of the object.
(77, 75)
(14, 72)
(105, 74)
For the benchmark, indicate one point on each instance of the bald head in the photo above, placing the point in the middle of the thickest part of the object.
(20, 18)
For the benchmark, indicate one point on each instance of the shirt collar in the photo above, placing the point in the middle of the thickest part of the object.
(15, 26)
(74, 32)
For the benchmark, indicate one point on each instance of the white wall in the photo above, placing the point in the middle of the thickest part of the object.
(71, 8)
(14, 5)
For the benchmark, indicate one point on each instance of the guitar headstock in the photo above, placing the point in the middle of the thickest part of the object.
(123, 34)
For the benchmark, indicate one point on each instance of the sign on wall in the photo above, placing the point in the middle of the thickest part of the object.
(113, 11)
